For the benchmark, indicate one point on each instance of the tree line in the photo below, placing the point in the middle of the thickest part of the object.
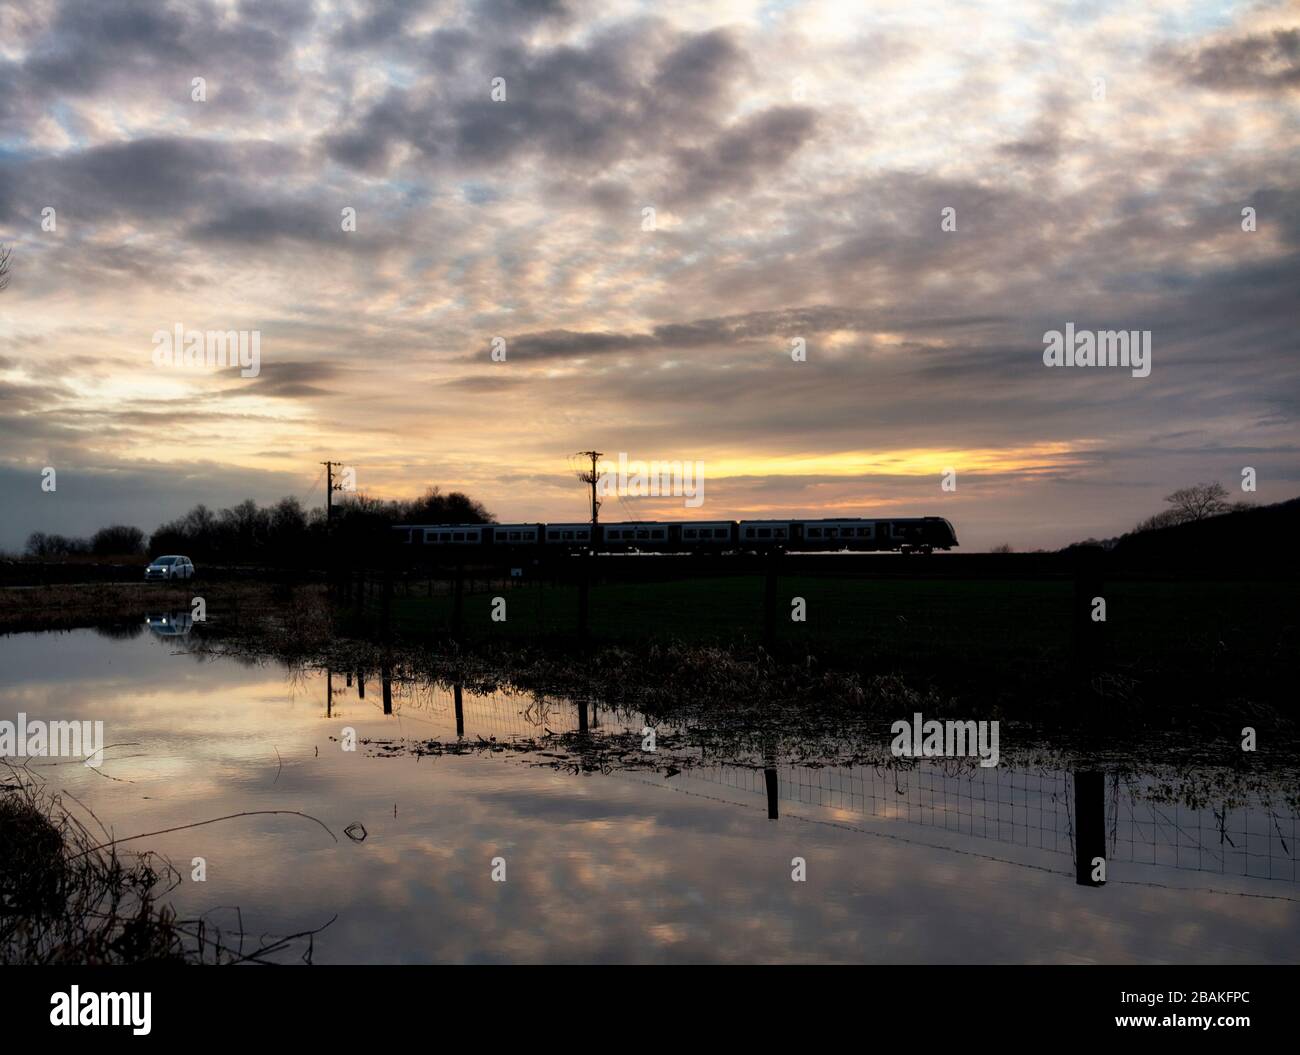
(280, 534)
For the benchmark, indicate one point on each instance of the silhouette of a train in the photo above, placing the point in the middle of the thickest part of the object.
(899, 534)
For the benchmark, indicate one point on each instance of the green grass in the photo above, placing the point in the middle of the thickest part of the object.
(983, 628)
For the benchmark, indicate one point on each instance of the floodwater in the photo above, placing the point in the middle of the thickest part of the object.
(924, 864)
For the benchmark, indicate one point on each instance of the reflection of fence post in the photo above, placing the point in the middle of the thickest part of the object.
(460, 710)
(1089, 826)
(769, 778)
(582, 717)
(329, 692)
(361, 685)
(386, 678)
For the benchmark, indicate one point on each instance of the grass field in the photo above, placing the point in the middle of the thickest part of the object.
(1220, 637)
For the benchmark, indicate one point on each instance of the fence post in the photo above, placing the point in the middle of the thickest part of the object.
(386, 604)
(458, 600)
(1087, 633)
(460, 709)
(769, 600)
(1089, 826)
(583, 599)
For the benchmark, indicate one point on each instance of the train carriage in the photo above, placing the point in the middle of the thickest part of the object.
(898, 534)
(705, 536)
(516, 534)
(841, 533)
(637, 535)
(560, 537)
(769, 534)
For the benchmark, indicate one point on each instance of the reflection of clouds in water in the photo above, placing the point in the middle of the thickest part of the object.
(627, 866)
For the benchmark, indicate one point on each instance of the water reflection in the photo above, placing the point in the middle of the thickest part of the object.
(1097, 818)
(613, 856)
(170, 624)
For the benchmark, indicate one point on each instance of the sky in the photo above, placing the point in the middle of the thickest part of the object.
(651, 206)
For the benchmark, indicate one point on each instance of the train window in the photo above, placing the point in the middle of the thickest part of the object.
(568, 535)
(515, 536)
(749, 532)
(779, 532)
(692, 533)
(814, 532)
(764, 532)
(459, 536)
(553, 536)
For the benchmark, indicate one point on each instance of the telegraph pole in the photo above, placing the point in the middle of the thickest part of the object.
(591, 478)
(329, 520)
(584, 582)
(329, 490)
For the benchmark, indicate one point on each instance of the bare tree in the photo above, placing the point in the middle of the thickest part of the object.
(6, 254)
(1198, 502)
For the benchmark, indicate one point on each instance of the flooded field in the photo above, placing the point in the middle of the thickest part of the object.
(484, 827)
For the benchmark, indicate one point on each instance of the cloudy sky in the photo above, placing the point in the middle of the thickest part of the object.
(798, 159)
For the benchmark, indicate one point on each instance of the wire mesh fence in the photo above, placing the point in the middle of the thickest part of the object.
(1144, 821)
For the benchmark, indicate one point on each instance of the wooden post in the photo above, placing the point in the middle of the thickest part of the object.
(458, 600)
(386, 678)
(583, 599)
(1088, 634)
(769, 601)
(460, 710)
(386, 604)
(773, 809)
(1089, 826)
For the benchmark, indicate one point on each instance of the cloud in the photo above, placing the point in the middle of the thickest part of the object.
(1268, 62)
(800, 161)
